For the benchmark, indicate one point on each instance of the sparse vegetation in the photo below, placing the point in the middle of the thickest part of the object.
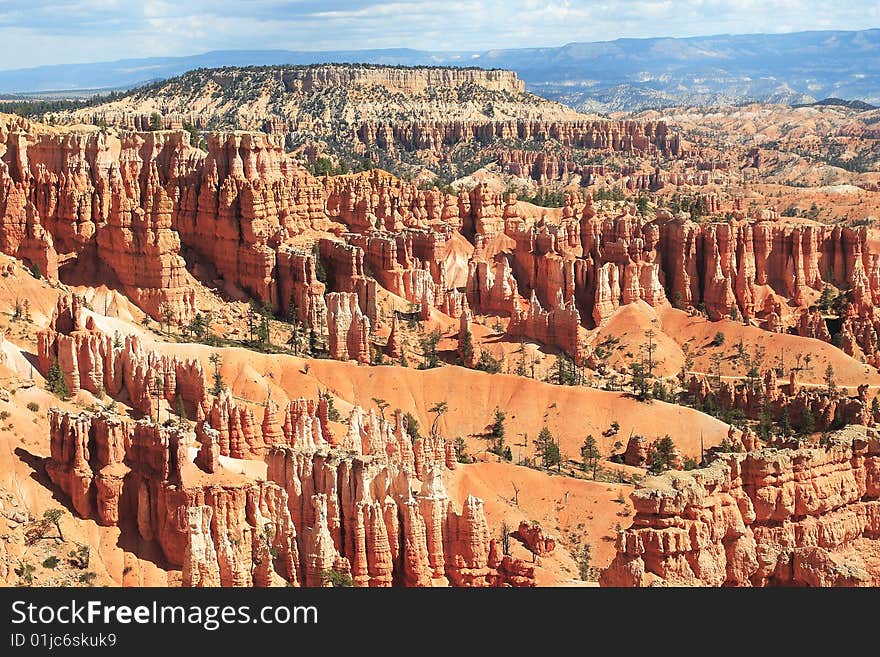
(336, 579)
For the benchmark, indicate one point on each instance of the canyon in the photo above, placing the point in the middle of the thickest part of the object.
(768, 517)
(235, 368)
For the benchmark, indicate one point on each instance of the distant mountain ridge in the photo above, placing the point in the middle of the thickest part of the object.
(624, 74)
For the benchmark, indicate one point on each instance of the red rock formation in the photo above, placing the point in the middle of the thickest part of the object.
(558, 326)
(348, 509)
(628, 136)
(349, 330)
(636, 453)
(145, 469)
(760, 396)
(208, 457)
(344, 264)
(607, 298)
(92, 360)
(200, 565)
(491, 287)
(238, 434)
(812, 325)
(300, 293)
(130, 203)
(769, 517)
(532, 535)
(393, 347)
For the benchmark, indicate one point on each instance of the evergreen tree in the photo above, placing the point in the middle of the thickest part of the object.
(826, 300)
(461, 454)
(217, 388)
(590, 454)
(662, 455)
(466, 347)
(428, 344)
(807, 425)
(785, 423)
(547, 449)
(55, 382)
(497, 434)
(438, 409)
(829, 379)
(764, 428)
(640, 381)
(411, 424)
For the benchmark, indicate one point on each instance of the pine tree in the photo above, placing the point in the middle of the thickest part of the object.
(764, 429)
(547, 449)
(55, 382)
(217, 388)
(639, 381)
(466, 347)
(785, 423)
(829, 379)
(590, 454)
(662, 455)
(498, 433)
(807, 424)
(826, 300)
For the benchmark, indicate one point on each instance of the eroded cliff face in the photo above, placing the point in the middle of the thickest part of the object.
(89, 359)
(355, 507)
(140, 476)
(123, 207)
(789, 517)
(243, 209)
(763, 396)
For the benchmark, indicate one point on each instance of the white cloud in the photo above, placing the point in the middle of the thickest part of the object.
(57, 31)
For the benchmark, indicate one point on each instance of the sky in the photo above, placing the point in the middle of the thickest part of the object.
(34, 32)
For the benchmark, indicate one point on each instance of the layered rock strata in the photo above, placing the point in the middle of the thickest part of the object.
(353, 507)
(789, 517)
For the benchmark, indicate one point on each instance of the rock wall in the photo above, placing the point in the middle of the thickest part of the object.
(559, 326)
(122, 207)
(789, 517)
(221, 531)
(762, 395)
(92, 360)
(646, 137)
(349, 329)
(344, 266)
(354, 508)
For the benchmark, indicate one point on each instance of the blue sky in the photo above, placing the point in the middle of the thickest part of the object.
(54, 32)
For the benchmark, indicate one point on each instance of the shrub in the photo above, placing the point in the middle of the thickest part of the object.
(79, 558)
(87, 578)
(33, 407)
(336, 579)
(488, 363)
